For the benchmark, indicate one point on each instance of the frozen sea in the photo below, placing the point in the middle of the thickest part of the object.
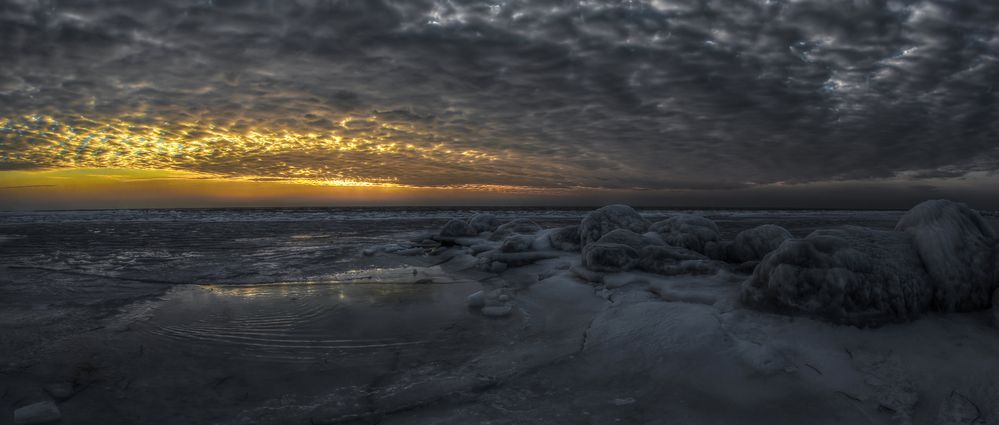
(196, 316)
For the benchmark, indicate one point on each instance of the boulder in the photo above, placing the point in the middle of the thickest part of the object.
(565, 238)
(632, 239)
(609, 257)
(851, 275)
(687, 231)
(457, 228)
(606, 219)
(955, 245)
(42, 412)
(483, 222)
(520, 225)
(753, 244)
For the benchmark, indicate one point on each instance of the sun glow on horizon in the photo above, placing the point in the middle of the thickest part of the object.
(355, 152)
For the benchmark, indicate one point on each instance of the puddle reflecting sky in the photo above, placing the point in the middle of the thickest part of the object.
(310, 322)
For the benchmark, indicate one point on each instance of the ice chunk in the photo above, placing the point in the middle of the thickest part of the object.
(517, 243)
(520, 225)
(955, 244)
(609, 257)
(483, 222)
(565, 238)
(457, 228)
(687, 231)
(38, 413)
(497, 267)
(477, 300)
(850, 275)
(753, 244)
(603, 220)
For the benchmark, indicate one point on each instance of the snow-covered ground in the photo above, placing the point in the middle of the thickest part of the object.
(481, 324)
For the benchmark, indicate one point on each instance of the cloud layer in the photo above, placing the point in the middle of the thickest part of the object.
(600, 94)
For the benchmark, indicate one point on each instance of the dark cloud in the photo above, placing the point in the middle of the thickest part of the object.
(598, 94)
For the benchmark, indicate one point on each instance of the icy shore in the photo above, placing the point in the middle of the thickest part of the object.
(664, 317)
(682, 324)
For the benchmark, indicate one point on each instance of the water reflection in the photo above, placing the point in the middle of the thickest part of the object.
(314, 321)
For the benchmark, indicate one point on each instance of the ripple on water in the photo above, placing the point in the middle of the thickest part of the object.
(312, 322)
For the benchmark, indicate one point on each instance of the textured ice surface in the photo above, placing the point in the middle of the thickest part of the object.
(848, 275)
(632, 239)
(483, 222)
(609, 257)
(517, 243)
(606, 219)
(565, 238)
(753, 244)
(670, 260)
(689, 231)
(515, 226)
(458, 228)
(955, 245)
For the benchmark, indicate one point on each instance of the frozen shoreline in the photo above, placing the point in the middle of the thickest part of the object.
(635, 347)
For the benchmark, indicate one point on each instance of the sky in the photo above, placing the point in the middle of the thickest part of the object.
(753, 103)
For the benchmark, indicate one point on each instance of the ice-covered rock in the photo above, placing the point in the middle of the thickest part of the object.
(457, 228)
(565, 238)
(477, 299)
(955, 244)
(753, 244)
(687, 231)
(483, 222)
(42, 412)
(517, 243)
(606, 219)
(521, 225)
(850, 274)
(632, 239)
(609, 257)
